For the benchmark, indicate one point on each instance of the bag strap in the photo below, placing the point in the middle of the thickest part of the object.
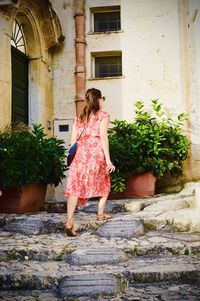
(84, 127)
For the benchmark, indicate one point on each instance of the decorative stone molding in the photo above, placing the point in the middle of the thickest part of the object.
(8, 7)
(47, 17)
(51, 26)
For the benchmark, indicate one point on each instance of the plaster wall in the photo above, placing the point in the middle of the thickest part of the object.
(63, 68)
(194, 84)
(64, 63)
(111, 88)
(151, 57)
(150, 44)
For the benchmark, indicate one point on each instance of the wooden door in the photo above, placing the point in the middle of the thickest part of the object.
(19, 86)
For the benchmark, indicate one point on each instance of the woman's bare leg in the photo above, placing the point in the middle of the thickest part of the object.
(101, 206)
(71, 206)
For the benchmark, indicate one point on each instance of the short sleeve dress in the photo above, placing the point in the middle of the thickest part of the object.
(88, 176)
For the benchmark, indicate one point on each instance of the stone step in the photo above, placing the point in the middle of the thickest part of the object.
(124, 228)
(29, 295)
(167, 290)
(90, 284)
(43, 223)
(91, 249)
(60, 206)
(132, 205)
(141, 209)
(121, 259)
(35, 247)
(96, 280)
(55, 206)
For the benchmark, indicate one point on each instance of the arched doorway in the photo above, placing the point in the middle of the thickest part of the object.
(19, 60)
(42, 35)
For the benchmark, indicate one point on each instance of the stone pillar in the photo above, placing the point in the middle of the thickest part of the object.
(80, 54)
(5, 68)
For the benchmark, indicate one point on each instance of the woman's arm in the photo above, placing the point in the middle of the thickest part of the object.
(74, 134)
(104, 141)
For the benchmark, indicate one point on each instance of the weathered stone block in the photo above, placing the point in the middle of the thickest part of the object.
(121, 228)
(25, 225)
(88, 285)
(96, 255)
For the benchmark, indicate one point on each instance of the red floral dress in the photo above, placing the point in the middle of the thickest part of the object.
(88, 176)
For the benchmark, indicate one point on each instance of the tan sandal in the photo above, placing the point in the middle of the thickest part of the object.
(70, 231)
(103, 217)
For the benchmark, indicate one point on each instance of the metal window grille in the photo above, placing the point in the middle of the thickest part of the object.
(108, 66)
(107, 21)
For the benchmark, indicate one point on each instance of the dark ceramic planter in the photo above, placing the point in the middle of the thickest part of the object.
(30, 199)
(137, 186)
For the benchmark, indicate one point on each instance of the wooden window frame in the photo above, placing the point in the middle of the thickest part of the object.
(112, 54)
(100, 10)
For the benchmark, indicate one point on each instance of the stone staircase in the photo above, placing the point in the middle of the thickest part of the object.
(146, 252)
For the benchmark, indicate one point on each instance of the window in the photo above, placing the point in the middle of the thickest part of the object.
(107, 19)
(17, 39)
(108, 66)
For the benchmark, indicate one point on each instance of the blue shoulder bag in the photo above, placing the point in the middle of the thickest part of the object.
(73, 148)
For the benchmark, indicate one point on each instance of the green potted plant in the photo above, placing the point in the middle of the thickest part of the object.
(150, 146)
(29, 161)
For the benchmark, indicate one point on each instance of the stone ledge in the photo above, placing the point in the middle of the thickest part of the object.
(58, 246)
(35, 275)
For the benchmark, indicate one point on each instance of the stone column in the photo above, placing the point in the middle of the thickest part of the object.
(5, 68)
(80, 54)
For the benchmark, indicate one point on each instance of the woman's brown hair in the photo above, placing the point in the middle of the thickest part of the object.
(92, 97)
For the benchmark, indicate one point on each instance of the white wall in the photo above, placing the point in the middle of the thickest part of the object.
(194, 85)
(151, 53)
(150, 45)
(194, 64)
(64, 79)
(64, 62)
(111, 88)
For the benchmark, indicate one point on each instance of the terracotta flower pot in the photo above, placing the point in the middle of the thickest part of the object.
(136, 186)
(30, 199)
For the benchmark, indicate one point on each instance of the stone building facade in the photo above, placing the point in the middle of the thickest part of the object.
(129, 49)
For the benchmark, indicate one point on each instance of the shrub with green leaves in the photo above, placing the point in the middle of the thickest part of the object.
(29, 157)
(151, 143)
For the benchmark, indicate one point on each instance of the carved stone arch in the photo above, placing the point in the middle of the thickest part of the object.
(48, 20)
(43, 33)
(32, 32)
(38, 60)
(44, 13)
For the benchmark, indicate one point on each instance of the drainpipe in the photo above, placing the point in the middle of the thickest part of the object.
(184, 8)
(80, 44)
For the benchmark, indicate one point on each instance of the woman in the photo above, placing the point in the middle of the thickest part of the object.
(89, 173)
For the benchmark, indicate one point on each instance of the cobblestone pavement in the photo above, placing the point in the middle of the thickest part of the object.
(146, 252)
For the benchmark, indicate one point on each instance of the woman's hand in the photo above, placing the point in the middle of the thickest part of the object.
(110, 167)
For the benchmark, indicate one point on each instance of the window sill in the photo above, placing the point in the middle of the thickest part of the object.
(106, 78)
(104, 32)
